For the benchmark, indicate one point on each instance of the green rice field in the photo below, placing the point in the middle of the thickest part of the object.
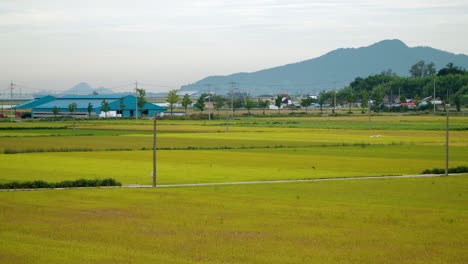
(198, 151)
(400, 220)
(420, 220)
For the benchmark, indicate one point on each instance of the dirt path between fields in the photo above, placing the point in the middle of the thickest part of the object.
(247, 182)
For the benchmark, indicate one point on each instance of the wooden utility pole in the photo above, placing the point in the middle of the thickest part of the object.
(447, 106)
(369, 113)
(136, 100)
(209, 100)
(232, 83)
(334, 97)
(154, 149)
(74, 124)
(12, 85)
(434, 99)
(227, 123)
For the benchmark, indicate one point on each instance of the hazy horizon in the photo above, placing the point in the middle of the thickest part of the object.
(53, 45)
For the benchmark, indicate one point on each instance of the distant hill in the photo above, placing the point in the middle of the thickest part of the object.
(83, 88)
(336, 68)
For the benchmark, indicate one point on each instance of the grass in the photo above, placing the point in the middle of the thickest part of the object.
(355, 221)
(360, 122)
(249, 153)
(196, 166)
(362, 221)
(137, 140)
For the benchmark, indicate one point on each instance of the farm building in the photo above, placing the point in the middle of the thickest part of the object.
(89, 105)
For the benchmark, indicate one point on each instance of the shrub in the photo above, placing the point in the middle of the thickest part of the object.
(31, 150)
(459, 169)
(62, 184)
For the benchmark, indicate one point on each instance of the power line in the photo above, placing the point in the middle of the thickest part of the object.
(232, 83)
(12, 86)
(330, 83)
(209, 100)
(161, 85)
(136, 100)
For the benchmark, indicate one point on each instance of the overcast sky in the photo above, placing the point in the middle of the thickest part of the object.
(53, 45)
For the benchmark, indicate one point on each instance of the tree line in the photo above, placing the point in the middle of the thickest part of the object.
(450, 84)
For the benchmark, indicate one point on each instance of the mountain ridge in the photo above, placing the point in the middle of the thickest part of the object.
(84, 88)
(333, 70)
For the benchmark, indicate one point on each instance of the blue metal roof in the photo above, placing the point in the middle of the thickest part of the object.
(96, 100)
(35, 102)
(80, 103)
(97, 96)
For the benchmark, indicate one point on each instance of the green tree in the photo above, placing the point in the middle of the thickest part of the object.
(332, 100)
(306, 102)
(417, 69)
(121, 106)
(416, 101)
(321, 100)
(55, 111)
(237, 104)
(200, 103)
(364, 100)
(429, 69)
(457, 102)
(249, 104)
(351, 100)
(377, 101)
(72, 109)
(402, 99)
(263, 105)
(279, 102)
(421, 69)
(90, 108)
(218, 102)
(234, 104)
(186, 101)
(141, 101)
(388, 72)
(428, 105)
(172, 98)
(450, 69)
(105, 107)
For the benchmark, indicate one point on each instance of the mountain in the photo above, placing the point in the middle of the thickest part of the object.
(334, 69)
(102, 90)
(83, 88)
(80, 89)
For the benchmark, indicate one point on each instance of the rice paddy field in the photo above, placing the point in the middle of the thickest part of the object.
(420, 220)
(411, 220)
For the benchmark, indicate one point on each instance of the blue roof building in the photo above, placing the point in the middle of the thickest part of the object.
(90, 105)
(35, 102)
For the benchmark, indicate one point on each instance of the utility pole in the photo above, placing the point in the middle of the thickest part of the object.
(232, 97)
(209, 100)
(447, 106)
(434, 99)
(154, 150)
(12, 86)
(227, 123)
(369, 113)
(136, 100)
(391, 97)
(334, 97)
